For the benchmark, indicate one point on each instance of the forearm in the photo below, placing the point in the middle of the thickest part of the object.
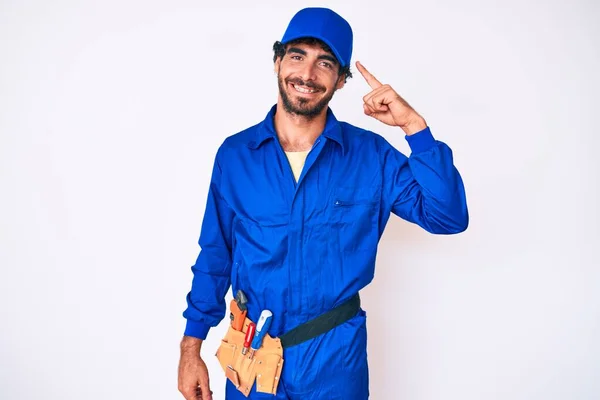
(426, 188)
(206, 300)
(441, 198)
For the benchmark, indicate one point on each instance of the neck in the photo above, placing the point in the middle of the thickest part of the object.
(297, 132)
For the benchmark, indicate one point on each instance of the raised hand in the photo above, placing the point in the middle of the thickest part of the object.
(385, 105)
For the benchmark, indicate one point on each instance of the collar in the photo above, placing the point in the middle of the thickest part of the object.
(266, 130)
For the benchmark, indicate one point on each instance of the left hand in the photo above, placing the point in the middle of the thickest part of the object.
(385, 105)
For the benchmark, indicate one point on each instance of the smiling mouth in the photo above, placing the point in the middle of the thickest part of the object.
(304, 89)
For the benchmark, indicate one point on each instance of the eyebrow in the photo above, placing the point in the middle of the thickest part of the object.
(328, 58)
(296, 50)
(321, 57)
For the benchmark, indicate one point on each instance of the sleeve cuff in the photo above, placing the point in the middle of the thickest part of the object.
(196, 329)
(421, 141)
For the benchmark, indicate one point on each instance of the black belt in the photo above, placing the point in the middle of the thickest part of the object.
(321, 324)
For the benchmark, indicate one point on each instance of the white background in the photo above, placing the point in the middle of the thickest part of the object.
(111, 113)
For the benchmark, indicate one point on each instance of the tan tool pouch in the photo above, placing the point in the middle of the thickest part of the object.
(264, 367)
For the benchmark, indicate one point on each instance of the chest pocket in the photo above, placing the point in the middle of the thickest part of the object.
(354, 215)
(355, 196)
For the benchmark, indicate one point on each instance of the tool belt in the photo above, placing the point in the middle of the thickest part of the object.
(267, 362)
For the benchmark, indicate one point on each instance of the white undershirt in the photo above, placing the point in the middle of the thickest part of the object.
(297, 159)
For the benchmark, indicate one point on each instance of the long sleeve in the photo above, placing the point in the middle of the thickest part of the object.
(425, 188)
(212, 270)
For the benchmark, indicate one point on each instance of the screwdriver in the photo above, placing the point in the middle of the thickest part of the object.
(264, 322)
(249, 336)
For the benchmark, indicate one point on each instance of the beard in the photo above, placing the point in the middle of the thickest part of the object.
(301, 106)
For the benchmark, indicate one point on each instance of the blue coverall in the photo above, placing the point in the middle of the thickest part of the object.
(300, 249)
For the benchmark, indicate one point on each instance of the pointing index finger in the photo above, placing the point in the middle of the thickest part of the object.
(371, 80)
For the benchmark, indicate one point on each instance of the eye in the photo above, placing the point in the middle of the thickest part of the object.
(295, 57)
(327, 64)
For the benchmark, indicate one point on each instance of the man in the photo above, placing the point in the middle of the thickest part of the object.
(296, 207)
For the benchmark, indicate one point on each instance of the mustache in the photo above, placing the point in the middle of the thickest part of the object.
(309, 84)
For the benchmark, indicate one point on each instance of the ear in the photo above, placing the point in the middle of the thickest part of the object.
(276, 66)
(341, 82)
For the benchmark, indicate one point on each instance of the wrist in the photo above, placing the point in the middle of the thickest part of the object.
(191, 345)
(414, 126)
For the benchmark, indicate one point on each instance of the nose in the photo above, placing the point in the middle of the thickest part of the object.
(308, 72)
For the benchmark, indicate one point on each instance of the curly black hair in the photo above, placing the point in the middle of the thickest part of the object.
(279, 51)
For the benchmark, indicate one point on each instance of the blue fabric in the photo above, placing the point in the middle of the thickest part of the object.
(300, 249)
(323, 24)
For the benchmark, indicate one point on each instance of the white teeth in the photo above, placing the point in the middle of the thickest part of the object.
(303, 90)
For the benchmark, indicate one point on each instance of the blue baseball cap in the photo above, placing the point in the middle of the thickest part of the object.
(323, 24)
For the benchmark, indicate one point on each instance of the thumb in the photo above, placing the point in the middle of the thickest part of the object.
(205, 392)
(397, 107)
